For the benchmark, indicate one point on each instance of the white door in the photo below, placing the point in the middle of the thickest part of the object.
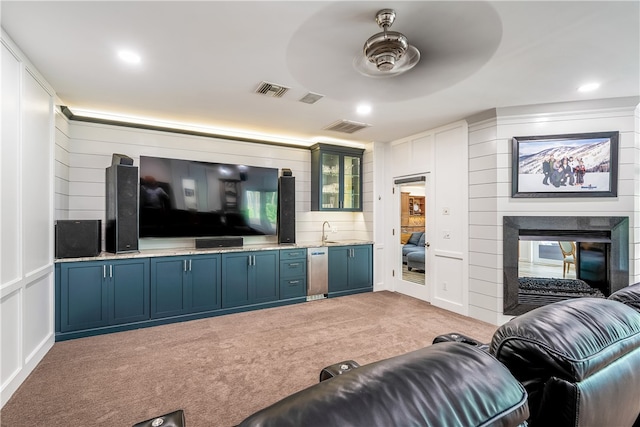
(411, 267)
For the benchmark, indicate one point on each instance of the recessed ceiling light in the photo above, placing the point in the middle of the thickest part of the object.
(363, 109)
(589, 87)
(129, 56)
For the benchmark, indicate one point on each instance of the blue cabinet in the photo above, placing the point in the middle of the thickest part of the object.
(350, 269)
(110, 295)
(181, 285)
(336, 178)
(96, 294)
(250, 278)
(293, 273)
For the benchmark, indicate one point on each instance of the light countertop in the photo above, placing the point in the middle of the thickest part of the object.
(149, 253)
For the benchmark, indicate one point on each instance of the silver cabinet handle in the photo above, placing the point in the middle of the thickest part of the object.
(110, 270)
(189, 265)
(295, 264)
(294, 282)
(104, 271)
(184, 265)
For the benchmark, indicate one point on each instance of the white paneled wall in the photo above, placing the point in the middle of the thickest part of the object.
(442, 154)
(26, 220)
(449, 233)
(84, 150)
(490, 186)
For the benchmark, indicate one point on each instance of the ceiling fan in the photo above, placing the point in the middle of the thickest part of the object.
(388, 53)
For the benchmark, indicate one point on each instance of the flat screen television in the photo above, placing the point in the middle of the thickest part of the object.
(186, 198)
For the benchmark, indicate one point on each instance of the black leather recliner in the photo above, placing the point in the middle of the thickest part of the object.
(450, 384)
(579, 361)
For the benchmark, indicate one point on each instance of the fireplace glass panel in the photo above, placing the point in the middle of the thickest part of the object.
(601, 258)
(544, 259)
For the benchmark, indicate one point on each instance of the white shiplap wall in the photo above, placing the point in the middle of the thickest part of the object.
(85, 150)
(490, 185)
(61, 166)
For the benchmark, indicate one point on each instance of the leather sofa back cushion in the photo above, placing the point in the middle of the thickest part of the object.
(629, 296)
(579, 358)
(444, 384)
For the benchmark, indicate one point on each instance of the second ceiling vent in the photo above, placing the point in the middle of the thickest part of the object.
(346, 126)
(271, 89)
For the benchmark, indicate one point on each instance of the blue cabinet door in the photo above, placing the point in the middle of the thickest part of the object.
(350, 268)
(235, 279)
(168, 295)
(204, 284)
(360, 267)
(249, 278)
(97, 294)
(128, 291)
(83, 296)
(265, 270)
(338, 268)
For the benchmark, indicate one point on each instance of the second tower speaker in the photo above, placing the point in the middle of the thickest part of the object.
(121, 229)
(287, 209)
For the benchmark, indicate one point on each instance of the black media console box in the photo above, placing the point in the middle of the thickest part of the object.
(219, 242)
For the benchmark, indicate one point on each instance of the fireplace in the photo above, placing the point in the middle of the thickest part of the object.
(601, 258)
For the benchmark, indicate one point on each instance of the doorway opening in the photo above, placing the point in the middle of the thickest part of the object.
(412, 236)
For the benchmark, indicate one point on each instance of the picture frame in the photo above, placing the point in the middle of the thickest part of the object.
(583, 165)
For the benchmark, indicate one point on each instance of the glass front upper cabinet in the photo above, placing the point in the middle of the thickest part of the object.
(336, 178)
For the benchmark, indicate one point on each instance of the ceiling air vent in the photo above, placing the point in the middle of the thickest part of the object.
(271, 89)
(311, 98)
(346, 126)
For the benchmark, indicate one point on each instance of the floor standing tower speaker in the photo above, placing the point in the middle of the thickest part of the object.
(287, 209)
(121, 230)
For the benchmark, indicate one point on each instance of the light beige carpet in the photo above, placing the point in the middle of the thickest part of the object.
(222, 369)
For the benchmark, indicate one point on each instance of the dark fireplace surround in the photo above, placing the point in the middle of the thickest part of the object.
(613, 230)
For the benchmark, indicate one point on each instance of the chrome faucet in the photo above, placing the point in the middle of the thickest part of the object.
(324, 236)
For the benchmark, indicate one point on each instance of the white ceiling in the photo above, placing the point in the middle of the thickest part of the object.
(203, 60)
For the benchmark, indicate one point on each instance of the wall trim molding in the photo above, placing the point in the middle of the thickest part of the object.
(74, 117)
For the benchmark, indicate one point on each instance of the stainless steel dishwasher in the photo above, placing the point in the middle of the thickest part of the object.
(318, 273)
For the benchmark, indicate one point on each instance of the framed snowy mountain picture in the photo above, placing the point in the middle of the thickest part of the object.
(573, 165)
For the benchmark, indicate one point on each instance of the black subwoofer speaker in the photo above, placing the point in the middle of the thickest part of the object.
(78, 238)
(287, 209)
(121, 230)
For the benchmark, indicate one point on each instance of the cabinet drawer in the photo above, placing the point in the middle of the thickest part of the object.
(293, 268)
(294, 287)
(286, 254)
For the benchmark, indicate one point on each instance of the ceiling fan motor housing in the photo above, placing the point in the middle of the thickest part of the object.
(387, 53)
(384, 49)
